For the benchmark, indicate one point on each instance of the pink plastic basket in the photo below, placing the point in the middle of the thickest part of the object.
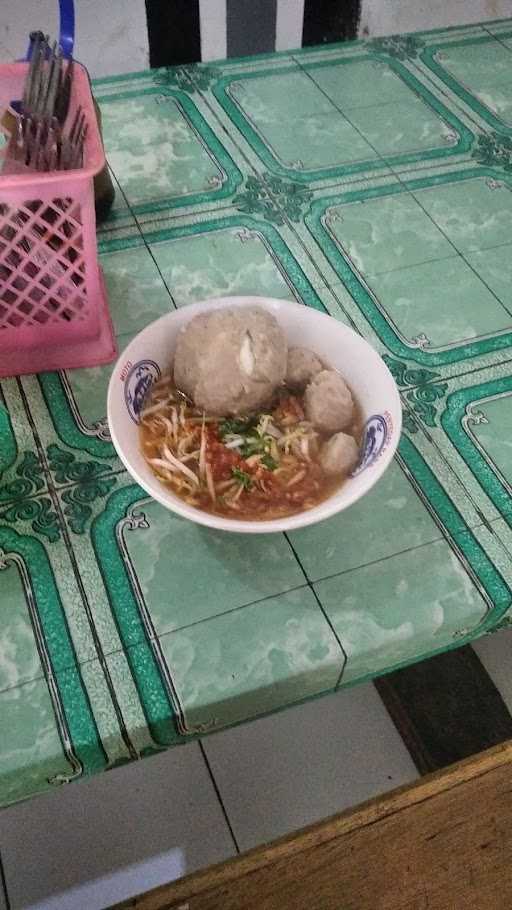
(53, 308)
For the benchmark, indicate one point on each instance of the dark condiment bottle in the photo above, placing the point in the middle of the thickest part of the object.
(104, 192)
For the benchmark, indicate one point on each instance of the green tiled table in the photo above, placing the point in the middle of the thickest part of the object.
(373, 181)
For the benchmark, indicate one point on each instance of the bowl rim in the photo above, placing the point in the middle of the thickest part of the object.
(326, 508)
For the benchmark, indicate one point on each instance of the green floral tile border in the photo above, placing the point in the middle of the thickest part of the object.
(70, 427)
(75, 721)
(197, 77)
(151, 671)
(448, 411)
(461, 411)
(153, 681)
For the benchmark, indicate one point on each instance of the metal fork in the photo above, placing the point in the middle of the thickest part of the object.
(41, 143)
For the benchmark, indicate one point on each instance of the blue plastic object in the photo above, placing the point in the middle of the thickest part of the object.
(67, 26)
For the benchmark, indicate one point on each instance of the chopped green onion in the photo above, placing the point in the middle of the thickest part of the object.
(269, 462)
(242, 477)
(237, 427)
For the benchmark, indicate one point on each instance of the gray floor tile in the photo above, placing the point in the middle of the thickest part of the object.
(288, 770)
(100, 841)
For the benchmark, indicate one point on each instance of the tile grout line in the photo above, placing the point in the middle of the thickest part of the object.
(322, 608)
(448, 95)
(459, 253)
(380, 157)
(219, 796)
(497, 38)
(291, 225)
(3, 885)
(400, 176)
(404, 268)
(308, 584)
(484, 522)
(143, 238)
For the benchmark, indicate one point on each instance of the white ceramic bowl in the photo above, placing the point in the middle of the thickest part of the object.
(339, 346)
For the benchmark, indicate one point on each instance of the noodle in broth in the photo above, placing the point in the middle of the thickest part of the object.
(260, 467)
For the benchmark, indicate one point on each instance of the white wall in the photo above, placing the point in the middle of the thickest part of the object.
(112, 34)
(387, 17)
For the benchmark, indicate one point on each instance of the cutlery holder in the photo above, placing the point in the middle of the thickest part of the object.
(53, 308)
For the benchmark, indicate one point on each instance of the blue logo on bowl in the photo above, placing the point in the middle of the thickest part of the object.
(376, 435)
(137, 384)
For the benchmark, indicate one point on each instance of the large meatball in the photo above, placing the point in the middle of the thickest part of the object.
(302, 365)
(230, 361)
(339, 454)
(328, 402)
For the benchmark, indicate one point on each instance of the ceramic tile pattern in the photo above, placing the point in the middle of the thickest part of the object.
(371, 180)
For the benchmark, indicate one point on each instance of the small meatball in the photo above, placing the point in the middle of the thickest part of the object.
(328, 402)
(339, 454)
(231, 361)
(302, 366)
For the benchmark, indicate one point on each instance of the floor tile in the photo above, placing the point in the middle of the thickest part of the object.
(266, 99)
(252, 660)
(495, 268)
(498, 98)
(359, 83)
(495, 652)
(401, 608)
(21, 466)
(166, 158)
(140, 826)
(315, 141)
(474, 214)
(19, 658)
(353, 538)
(444, 301)
(189, 573)
(136, 293)
(484, 64)
(30, 745)
(395, 129)
(387, 233)
(223, 262)
(283, 772)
